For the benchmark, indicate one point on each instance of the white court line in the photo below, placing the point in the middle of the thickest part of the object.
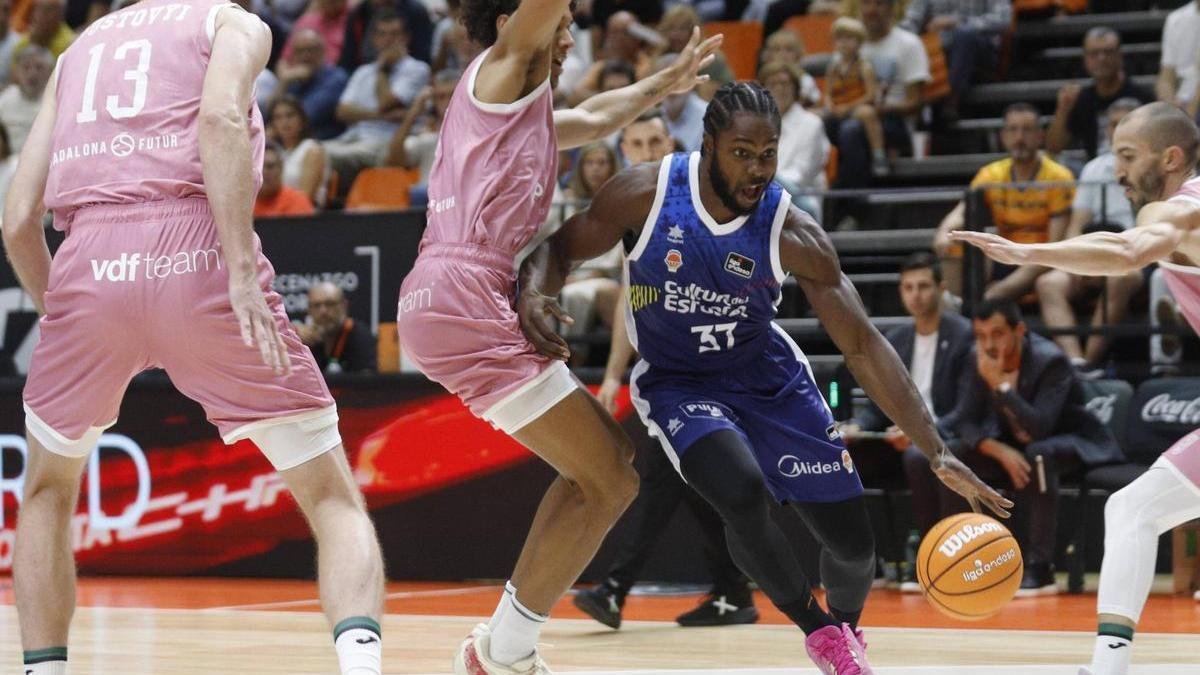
(402, 595)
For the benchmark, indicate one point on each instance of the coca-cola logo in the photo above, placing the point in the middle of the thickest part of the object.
(1102, 407)
(1163, 408)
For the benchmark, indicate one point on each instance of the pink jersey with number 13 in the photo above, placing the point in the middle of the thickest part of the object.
(126, 133)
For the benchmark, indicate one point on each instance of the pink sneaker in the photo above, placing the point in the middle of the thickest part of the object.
(837, 651)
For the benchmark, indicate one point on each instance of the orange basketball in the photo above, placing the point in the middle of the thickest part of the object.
(970, 566)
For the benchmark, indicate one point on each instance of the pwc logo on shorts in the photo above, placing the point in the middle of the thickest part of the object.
(955, 542)
(791, 466)
(134, 266)
(706, 410)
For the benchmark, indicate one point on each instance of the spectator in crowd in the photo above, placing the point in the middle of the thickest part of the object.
(786, 47)
(328, 19)
(970, 31)
(1022, 420)
(274, 198)
(1099, 193)
(8, 41)
(308, 76)
(451, 48)
(935, 347)
(852, 90)
(377, 98)
(683, 113)
(359, 48)
(1026, 214)
(305, 166)
(902, 67)
(628, 40)
(21, 100)
(339, 343)
(47, 28)
(1179, 71)
(676, 27)
(803, 146)
(645, 139)
(8, 164)
(416, 150)
(602, 76)
(1100, 201)
(646, 12)
(80, 14)
(1082, 112)
(590, 292)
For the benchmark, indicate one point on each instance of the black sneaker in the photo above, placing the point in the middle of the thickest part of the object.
(720, 610)
(602, 603)
(1038, 580)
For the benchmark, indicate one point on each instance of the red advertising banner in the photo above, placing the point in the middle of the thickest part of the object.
(163, 494)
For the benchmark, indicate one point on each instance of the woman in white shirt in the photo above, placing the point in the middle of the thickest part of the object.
(305, 166)
(803, 145)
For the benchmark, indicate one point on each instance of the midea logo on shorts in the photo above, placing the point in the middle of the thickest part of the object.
(122, 145)
(792, 466)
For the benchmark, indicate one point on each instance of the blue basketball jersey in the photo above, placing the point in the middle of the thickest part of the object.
(702, 295)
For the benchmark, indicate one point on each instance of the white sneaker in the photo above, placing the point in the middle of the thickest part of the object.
(474, 658)
(1196, 596)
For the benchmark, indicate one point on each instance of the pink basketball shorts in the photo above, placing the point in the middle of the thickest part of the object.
(1183, 458)
(457, 324)
(145, 285)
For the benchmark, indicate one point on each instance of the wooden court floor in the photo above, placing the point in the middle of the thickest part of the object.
(173, 626)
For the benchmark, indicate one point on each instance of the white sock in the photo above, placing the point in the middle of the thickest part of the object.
(46, 668)
(359, 646)
(50, 661)
(514, 629)
(509, 591)
(1111, 655)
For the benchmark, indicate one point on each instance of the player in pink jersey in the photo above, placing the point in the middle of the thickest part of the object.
(1157, 147)
(148, 150)
(490, 189)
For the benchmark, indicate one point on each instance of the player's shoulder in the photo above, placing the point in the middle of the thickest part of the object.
(630, 195)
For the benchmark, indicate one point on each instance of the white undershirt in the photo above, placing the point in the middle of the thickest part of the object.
(924, 352)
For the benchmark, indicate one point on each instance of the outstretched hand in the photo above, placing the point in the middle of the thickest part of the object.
(994, 246)
(536, 313)
(958, 477)
(696, 56)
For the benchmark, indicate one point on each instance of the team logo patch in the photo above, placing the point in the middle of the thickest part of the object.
(674, 425)
(674, 260)
(740, 265)
(847, 462)
(706, 410)
(675, 234)
(833, 432)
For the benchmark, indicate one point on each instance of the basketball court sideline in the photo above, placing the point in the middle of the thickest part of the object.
(177, 626)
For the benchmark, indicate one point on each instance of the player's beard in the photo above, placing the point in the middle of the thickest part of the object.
(1148, 189)
(725, 193)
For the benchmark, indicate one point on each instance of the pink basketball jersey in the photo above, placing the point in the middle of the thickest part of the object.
(1183, 280)
(128, 101)
(493, 174)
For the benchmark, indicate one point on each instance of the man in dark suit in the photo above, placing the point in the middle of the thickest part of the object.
(934, 347)
(1021, 418)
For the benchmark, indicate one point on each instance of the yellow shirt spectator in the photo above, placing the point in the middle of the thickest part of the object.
(1022, 213)
(62, 39)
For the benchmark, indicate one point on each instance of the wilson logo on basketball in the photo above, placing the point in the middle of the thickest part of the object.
(1163, 408)
(955, 542)
(982, 569)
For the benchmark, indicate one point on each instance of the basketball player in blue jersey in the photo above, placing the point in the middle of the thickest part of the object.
(710, 239)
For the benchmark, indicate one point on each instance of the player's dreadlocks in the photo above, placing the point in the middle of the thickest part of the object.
(736, 97)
